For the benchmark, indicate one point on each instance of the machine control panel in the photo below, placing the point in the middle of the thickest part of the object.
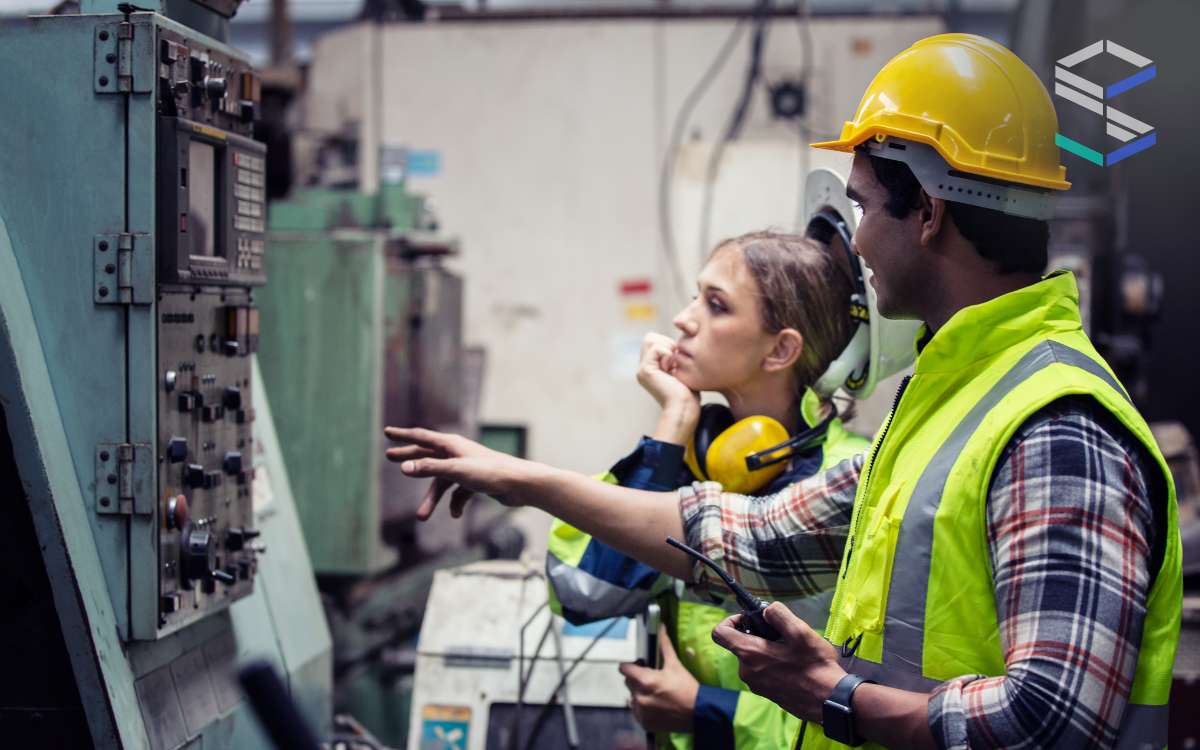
(206, 86)
(206, 531)
(211, 209)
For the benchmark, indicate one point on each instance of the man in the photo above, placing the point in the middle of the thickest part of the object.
(1009, 550)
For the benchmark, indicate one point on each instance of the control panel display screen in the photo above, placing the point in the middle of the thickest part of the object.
(202, 199)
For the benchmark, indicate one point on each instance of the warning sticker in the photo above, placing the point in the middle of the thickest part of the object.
(445, 727)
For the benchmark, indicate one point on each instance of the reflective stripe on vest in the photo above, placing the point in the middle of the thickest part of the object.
(592, 597)
(904, 626)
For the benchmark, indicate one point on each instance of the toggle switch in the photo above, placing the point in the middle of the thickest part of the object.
(235, 539)
(212, 413)
(188, 401)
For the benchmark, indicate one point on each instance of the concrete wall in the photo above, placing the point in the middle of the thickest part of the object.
(551, 139)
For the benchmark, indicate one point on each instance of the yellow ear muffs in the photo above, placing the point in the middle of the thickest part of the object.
(727, 455)
(720, 455)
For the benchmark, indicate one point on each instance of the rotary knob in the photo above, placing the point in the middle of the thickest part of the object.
(215, 87)
(197, 556)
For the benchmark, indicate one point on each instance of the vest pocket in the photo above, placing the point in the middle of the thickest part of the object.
(865, 600)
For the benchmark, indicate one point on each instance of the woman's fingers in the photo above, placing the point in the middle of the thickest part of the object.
(431, 439)
(441, 468)
(433, 495)
(668, 363)
(405, 452)
(458, 501)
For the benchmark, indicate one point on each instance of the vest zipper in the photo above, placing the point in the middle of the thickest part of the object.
(836, 604)
(871, 466)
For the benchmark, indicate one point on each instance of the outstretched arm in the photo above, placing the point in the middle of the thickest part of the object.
(634, 521)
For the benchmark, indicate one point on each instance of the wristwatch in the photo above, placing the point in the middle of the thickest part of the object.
(837, 716)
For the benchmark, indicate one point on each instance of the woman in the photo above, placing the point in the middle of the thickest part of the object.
(769, 318)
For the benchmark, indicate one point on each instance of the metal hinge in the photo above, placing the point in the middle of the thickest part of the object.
(124, 479)
(124, 58)
(124, 269)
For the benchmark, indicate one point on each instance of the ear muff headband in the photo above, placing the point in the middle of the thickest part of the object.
(850, 366)
(833, 220)
(714, 420)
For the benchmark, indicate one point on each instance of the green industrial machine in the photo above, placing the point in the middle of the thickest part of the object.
(147, 526)
(366, 327)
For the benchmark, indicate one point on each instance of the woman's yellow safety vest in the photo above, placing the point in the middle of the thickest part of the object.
(916, 582)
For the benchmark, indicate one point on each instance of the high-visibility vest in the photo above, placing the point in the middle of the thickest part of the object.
(916, 581)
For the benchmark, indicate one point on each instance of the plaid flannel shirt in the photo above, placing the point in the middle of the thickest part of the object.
(1070, 538)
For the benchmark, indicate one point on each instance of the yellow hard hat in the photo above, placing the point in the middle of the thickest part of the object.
(973, 101)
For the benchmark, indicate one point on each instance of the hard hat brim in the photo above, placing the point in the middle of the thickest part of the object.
(849, 142)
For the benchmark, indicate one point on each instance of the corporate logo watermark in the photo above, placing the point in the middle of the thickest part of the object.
(1133, 134)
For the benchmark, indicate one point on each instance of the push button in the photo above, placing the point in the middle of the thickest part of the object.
(177, 512)
(177, 449)
(193, 475)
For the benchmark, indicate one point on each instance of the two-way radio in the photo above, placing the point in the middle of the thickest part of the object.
(752, 620)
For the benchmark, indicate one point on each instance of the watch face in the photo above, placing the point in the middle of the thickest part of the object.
(838, 723)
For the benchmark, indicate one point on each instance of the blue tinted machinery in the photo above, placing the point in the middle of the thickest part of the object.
(142, 481)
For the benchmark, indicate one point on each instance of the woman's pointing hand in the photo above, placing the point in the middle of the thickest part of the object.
(455, 462)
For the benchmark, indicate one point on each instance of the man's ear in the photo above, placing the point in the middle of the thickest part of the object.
(932, 212)
(789, 344)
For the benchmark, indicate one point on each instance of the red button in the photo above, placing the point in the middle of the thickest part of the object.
(177, 512)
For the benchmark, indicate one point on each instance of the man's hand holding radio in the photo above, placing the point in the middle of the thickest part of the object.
(798, 671)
